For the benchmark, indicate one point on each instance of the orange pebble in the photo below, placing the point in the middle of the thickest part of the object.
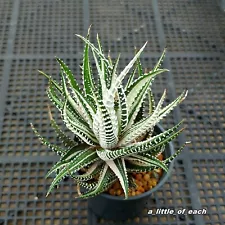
(139, 176)
(144, 183)
(139, 183)
(141, 189)
(119, 192)
(112, 191)
(160, 157)
(154, 182)
(146, 177)
(116, 185)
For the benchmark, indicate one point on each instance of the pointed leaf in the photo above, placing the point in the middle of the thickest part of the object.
(160, 61)
(119, 168)
(82, 160)
(143, 127)
(150, 145)
(66, 140)
(44, 141)
(126, 70)
(148, 160)
(106, 179)
(172, 157)
(78, 128)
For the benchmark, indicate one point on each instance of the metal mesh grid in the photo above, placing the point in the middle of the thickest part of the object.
(23, 188)
(33, 32)
(186, 30)
(124, 24)
(47, 27)
(202, 109)
(5, 16)
(27, 102)
(1, 71)
(209, 176)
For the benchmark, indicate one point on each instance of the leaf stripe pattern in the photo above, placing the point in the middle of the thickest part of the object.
(112, 136)
(119, 168)
(86, 158)
(142, 127)
(44, 141)
(67, 141)
(144, 146)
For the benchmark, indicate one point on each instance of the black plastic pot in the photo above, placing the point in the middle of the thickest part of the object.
(116, 208)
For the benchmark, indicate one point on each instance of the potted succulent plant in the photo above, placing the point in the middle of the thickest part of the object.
(117, 154)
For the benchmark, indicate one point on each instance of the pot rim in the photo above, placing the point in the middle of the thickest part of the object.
(162, 180)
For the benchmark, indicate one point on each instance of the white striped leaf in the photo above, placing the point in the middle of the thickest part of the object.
(122, 75)
(66, 140)
(88, 81)
(44, 141)
(141, 128)
(106, 179)
(77, 128)
(82, 160)
(148, 160)
(160, 61)
(92, 172)
(144, 146)
(119, 168)
(87, 109)
(172, 157)
(139, 83)
(122, 110)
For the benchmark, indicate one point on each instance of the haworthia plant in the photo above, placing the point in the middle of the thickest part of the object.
(112, 136)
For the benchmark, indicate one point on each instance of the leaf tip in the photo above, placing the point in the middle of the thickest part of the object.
(89, 28)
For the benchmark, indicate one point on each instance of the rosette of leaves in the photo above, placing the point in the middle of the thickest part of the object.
(113, 137)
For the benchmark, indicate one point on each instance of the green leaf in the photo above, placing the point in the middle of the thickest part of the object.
(89, 85)
(151, 101)
(150, 145)
(84, 159)
(121, 76)
(66, 140)
(106, 179)
(122, 110)
(139, 83)
(62, 164)
(143, 127)
(69, 75)
(44, 141)
(119, 168)
(72, 112)
(87, 110)
(148, 160)
(78, 128)
(113, 76)
(72, 153)
(52, 81)
(92, 172)
(172, 157)
(136, 106)
(96, 50)
(160, 61)
(138, 168)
